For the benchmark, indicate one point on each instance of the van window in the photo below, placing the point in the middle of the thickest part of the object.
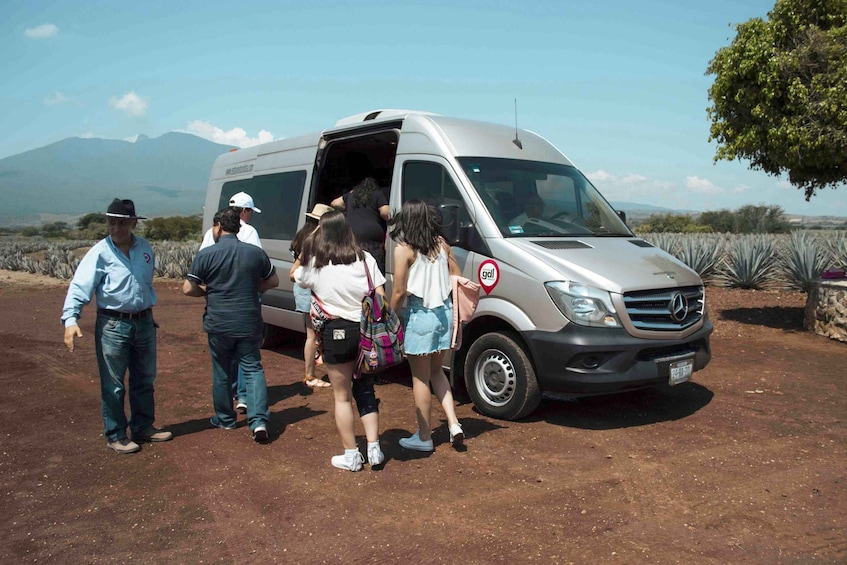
(278, 196)
(541, 199)
(430, 182)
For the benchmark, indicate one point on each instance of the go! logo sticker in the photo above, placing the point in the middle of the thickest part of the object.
(489, 275)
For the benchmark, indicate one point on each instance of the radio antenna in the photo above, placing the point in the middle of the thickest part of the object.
(517, 141)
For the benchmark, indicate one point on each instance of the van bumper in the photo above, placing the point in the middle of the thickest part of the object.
(581, 360)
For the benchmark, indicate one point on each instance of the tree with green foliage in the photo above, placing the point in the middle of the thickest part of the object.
(55, 229)
(721, 221)
(87, 220)
(174, 228)
(760, 219)
(671, 223)
(779, 98)
(91, 226)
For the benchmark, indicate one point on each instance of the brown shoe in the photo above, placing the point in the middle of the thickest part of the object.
(124, 446)
(153, 434)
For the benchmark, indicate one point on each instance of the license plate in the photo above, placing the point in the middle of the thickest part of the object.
(681, 371)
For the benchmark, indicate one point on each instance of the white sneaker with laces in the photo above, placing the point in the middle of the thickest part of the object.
(351, 460)
(457, 436)
(375, 455)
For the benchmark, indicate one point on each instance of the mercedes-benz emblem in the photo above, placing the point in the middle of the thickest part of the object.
(678, 307)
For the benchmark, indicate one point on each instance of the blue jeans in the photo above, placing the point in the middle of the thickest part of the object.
(229, 355)
(123, 345)
(239, 387)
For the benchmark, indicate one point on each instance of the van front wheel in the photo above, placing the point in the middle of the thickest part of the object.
(500, 377)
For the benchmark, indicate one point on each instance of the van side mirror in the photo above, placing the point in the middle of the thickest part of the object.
(450, 223)
(621, 214)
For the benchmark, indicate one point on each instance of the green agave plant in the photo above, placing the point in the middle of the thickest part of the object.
(751, 261)
(803, 260)
(836, 248)
(703, 253)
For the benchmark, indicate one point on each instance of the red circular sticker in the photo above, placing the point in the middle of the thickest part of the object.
(489, 274)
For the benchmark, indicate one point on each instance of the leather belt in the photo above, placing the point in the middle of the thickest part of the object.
(125, 315)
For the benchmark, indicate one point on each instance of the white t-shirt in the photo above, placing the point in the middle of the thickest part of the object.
(246, 233)
(340, 288)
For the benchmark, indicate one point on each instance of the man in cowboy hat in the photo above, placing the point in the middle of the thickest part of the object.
(118, 270)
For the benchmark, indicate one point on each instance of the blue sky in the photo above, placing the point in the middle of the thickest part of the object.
(617, 85)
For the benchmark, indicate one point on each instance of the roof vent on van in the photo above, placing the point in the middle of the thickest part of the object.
(562, 244)
(640, 243)
(374, 114)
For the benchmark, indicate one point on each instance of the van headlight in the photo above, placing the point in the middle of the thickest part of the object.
(583, 304)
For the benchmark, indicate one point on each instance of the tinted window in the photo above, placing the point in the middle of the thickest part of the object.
(431, 183)
(541, 199)
(278, 196)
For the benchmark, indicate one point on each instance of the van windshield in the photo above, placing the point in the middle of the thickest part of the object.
(531, 198)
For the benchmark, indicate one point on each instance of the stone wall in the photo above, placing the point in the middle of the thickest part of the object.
(826, 309)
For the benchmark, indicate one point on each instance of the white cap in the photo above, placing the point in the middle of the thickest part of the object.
(243, 200)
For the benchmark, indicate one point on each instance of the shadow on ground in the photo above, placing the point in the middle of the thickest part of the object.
(777, 317)
(625, 410)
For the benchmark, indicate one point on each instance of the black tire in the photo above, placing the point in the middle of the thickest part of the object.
(500, 377)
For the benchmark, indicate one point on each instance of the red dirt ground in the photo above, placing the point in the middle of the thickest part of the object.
(744, 464)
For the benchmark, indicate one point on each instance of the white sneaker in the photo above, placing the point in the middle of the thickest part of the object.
(352, 462)
(260, 434)
(457, 436)
(375, 455)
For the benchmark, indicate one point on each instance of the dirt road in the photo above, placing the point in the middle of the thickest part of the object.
(748, 463)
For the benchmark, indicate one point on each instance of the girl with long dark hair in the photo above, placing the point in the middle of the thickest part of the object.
(423, 263)
(333, 267)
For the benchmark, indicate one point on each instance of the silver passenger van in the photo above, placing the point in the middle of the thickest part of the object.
(572, 302)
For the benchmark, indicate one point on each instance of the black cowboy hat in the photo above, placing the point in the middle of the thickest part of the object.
(123, 209)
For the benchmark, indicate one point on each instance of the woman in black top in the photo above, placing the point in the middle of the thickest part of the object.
(366, 208)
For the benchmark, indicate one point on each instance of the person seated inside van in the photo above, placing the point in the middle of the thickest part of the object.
(533, 209)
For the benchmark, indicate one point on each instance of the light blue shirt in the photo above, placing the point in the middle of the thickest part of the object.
(119, 282)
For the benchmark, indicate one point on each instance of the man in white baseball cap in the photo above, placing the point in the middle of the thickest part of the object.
(243, 203)
(243, 200)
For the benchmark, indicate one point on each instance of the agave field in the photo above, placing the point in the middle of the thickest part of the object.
(59, 259)
(762, 261)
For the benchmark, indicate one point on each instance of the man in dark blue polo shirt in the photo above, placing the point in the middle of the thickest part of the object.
(233, 274)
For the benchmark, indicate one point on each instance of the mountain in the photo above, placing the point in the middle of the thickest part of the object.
(165, 176)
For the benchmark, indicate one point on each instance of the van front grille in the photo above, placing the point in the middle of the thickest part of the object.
(670, 309)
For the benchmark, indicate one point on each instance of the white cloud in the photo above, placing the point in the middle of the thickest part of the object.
(599, 176)
(87, 135)
(740, 188)
(236, 136)
(131, 103)
(696, 184)
(633, 178)
(132, 138)
(55, 98)
(43, 31)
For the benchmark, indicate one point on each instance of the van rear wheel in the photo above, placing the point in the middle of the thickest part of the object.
(500, 377)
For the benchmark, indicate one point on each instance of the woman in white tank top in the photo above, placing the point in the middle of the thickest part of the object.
(423, 263)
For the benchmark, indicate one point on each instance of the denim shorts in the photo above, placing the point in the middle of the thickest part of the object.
(340, 341)
(302, 297)
(427, 329)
